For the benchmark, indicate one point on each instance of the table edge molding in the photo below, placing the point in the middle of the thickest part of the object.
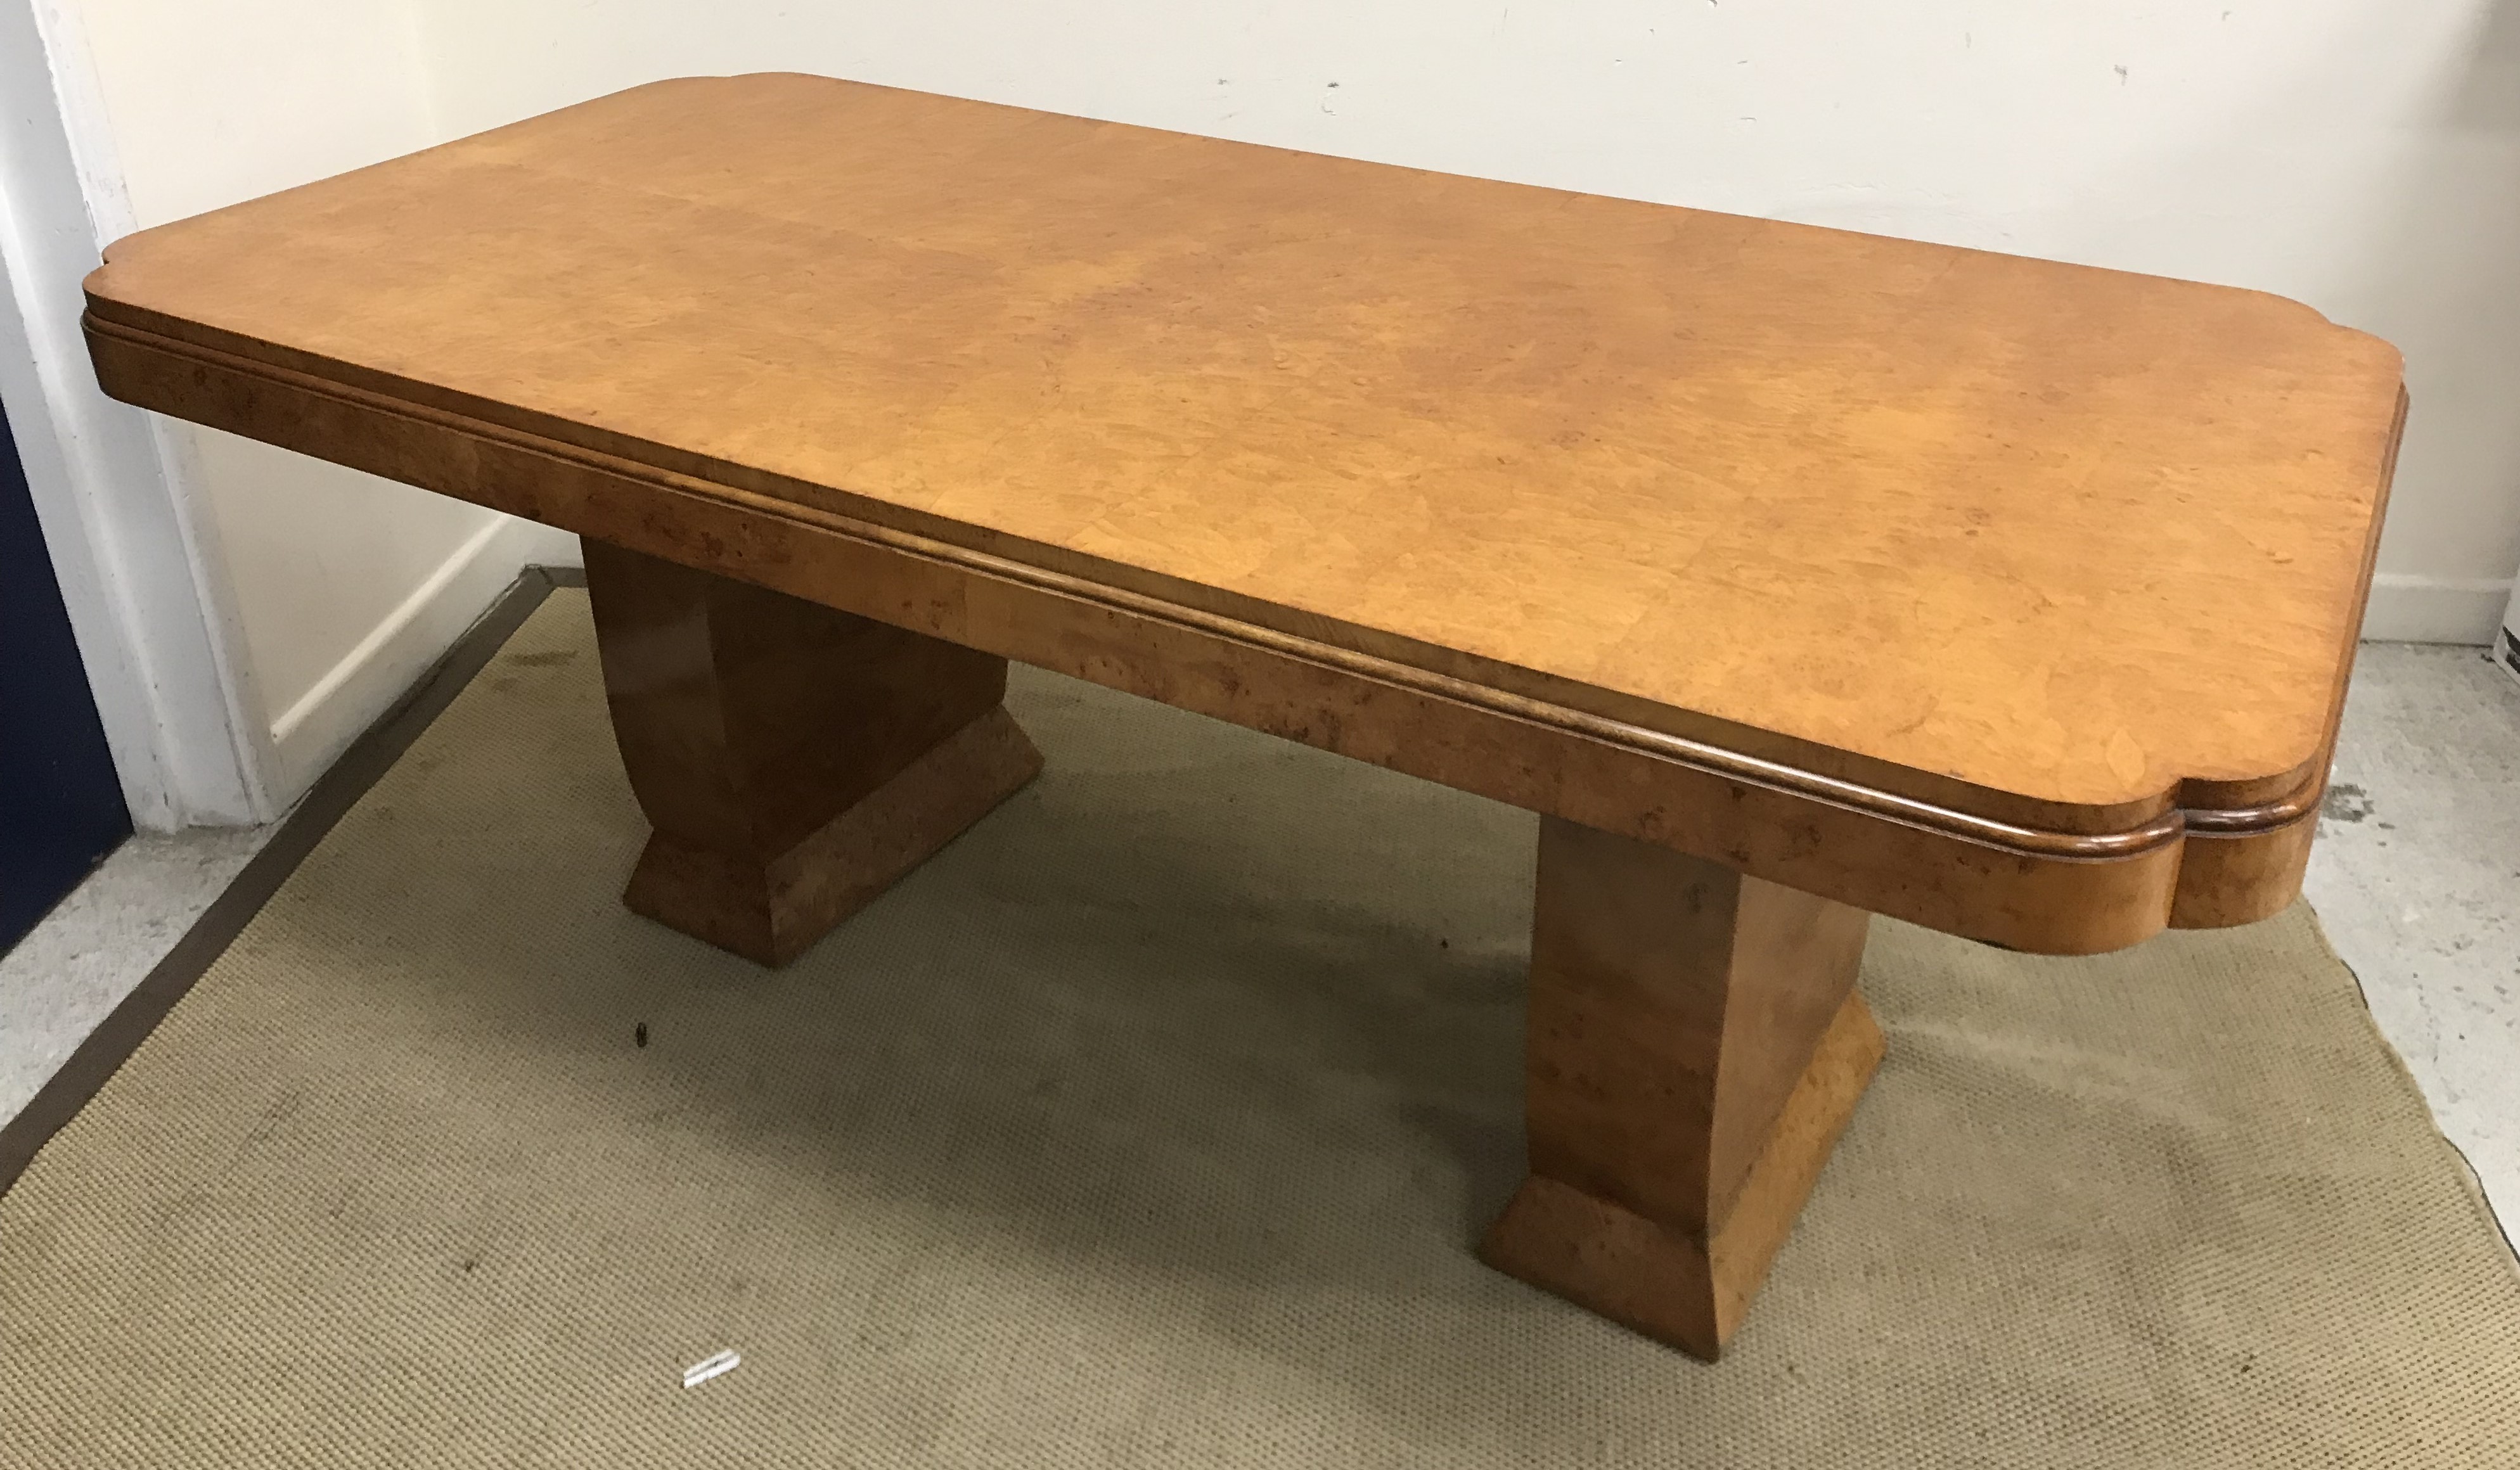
(2169, 826)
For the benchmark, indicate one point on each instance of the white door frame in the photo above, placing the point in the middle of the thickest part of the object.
(128, 540)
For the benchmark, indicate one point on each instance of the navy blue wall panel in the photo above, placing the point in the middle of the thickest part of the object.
(60, 808)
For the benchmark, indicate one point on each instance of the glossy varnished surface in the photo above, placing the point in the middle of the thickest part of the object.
(2037, 542)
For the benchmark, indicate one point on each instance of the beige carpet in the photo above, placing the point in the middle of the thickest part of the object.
(1151, 1124)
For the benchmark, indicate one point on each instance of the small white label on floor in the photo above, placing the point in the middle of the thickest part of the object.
(709, 1367)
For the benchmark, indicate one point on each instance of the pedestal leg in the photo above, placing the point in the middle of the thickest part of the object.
(794, 760)
(1696, 1045)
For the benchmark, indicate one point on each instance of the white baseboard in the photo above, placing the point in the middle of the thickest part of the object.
(311, 734)
(547, 546)
(2409, 608)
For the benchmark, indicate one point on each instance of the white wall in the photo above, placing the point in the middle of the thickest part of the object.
(133, 576)
(322, 594)
(344, 587)
(2363, 155)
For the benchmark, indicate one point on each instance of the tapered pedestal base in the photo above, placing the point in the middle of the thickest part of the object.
(773, 912)
(1668, 1284)
(1696, 1045)
(794, 760)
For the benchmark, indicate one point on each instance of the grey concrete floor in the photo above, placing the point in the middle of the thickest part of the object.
(70, 971)
(2416, 878)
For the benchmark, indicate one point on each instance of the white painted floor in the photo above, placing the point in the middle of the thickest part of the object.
(70, 971)
(2417, 878)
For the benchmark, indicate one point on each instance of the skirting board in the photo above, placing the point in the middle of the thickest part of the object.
(2411, 609)
(311, 734)
(308, 737)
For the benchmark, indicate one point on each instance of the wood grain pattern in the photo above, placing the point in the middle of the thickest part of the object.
(1696, 1046)
(794, 760)
(2026, 888)
(2001, 566)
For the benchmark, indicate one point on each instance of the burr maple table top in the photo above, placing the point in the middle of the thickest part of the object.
(2041, 545)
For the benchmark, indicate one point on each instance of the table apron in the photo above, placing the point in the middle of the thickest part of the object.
(2039, 891)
